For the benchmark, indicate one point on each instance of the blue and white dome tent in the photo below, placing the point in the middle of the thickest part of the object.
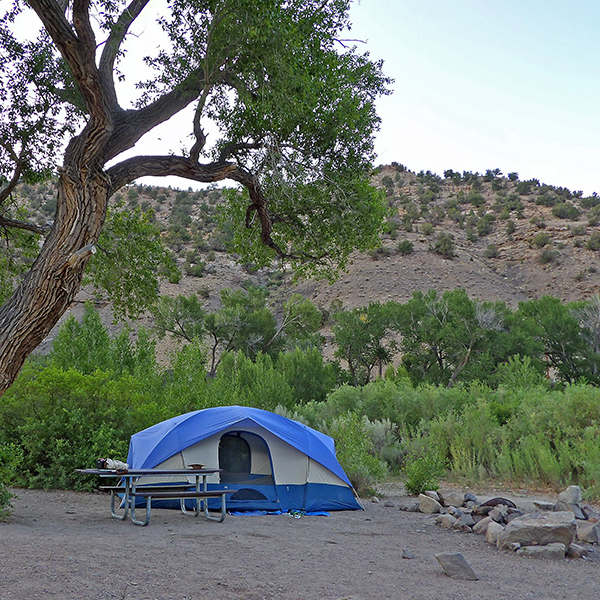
(273, 463)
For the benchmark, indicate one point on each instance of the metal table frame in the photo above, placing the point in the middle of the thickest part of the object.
(130, 479)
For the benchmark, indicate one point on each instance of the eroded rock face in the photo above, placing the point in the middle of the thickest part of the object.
(539, 529)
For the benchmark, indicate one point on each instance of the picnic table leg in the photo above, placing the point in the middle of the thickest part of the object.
(221, 517)
(148, 510)
(196, 511)
(113, 511)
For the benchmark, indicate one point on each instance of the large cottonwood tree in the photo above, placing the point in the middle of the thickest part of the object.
(289, 105)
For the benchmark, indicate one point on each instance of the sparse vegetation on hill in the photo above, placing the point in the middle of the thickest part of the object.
(499, 223)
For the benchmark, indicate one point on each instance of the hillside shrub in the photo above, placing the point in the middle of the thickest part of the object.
(444, 245)
(566, 210)
(475, 198)
(593, 242)
(549, 256)
(427, 228)
(491, 251)
(542, 239)
(405, 247)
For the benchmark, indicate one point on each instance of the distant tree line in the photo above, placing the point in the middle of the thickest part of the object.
(438, 339)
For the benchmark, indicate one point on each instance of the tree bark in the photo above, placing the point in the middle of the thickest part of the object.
(55, 278)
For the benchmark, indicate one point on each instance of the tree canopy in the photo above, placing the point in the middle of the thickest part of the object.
(279, 104)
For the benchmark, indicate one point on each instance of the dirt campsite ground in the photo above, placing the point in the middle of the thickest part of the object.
(65, 545)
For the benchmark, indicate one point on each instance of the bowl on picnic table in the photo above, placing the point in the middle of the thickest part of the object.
(195, 466)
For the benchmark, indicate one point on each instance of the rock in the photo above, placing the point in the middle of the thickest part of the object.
(455, 566)
(447, 521)
(414, 507)
(468, 497)
(572, 495)
(433, 494)
(590, 513)
(389, 504)
(514, 546)
(482, 511)
(498, 513)
(428, 505)
(588, 531)
(553, 551)
(449, 498)
(539, 529)
(541, 505)
(481, 526)
(497, 501)
(493, 531)
(512, 514)
(466, 520)
(574, 508)
(374, 499)
(408, 554)
(576, 551)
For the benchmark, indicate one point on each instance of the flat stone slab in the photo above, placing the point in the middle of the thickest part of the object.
(555, 551)
(455, 566)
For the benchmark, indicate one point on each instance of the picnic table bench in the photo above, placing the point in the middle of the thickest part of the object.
(198, 495)
(128, 491)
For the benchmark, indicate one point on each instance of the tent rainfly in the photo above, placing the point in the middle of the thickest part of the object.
(273, 463)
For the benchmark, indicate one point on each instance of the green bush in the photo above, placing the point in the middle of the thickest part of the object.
(355, 452)
(444, 245)
(594, 241)
(548, 255)
(542, 239)
(62, 420)
(405, 247)
(566, 210)
(427, 228)
(423, 472)
(491, 251)
(9, 458)
(5, 502)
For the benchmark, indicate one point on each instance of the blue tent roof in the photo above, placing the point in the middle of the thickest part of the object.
(152, 446)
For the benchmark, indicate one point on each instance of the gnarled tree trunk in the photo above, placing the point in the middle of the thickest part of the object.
(55, 278)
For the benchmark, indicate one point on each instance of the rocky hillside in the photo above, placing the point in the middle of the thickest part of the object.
(498, 237)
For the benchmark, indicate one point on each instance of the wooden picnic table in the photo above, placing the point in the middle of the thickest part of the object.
(130, 489)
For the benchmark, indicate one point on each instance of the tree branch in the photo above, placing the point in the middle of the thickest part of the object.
(233, 147)
(16, 176)
(131, 169)
(131, 125)
(114, 41)
(7, 223)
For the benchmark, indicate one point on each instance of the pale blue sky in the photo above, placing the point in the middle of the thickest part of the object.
(483, 85)
(479, 84)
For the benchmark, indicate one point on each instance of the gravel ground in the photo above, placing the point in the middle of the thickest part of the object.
(65, 545)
